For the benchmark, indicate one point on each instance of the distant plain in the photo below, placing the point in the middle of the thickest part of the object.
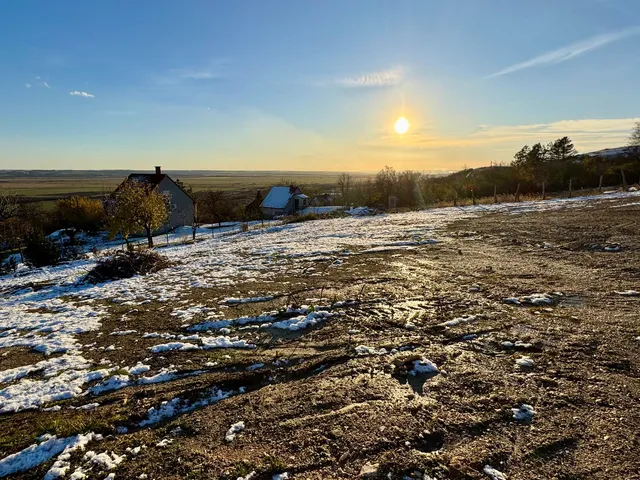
(46, 186)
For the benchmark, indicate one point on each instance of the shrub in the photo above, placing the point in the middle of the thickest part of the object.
(126, 265)
(70, 252)
(81, 213)
(41, 251)
(302, 218)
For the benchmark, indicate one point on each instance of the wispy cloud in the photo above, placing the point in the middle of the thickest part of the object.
(214, 70)
(81, 94)
(27, 85)
(197, 74)
(568, 52)
(379, 79)
(46, 84)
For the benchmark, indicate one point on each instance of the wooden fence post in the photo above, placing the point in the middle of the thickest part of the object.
(544, 194)
(473, 197)
(569, 188)
(624, 180)
(600, 185)
(495, 194)
(518, 193)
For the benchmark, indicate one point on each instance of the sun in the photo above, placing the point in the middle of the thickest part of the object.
(401, 125)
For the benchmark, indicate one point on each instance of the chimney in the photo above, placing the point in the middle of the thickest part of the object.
(158, 171)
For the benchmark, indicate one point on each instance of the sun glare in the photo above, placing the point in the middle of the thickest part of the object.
(401, 125)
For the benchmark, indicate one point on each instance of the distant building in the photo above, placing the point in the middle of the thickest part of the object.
(322, 200)
(180, 204)
(283, 201)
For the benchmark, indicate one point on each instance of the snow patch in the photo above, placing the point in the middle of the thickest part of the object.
(30, 394)
(524, 362)
(237, 301)
(120, 333)
(37, 454)
(365, 350)
(233, 431)
(629, 293)
(423, 366)
(460, 320)
(138, 369)
(167, 347)
(178, 406)
(523, 413)
(493, 474)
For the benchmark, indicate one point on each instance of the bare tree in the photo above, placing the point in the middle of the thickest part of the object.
(9, 204)
(344, 183)
(214, 206)
(386, 182)
(18, 220)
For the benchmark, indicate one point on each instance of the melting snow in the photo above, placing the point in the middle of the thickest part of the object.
(460, 320)
(423, 366)
(123, 332)
(225, 342)
(524, 412)
(138, 369)
(524, 362)
(302, 322)
(236, 301)
(166, 347)
(177, 406)
(33, 393)
(233, 431)
(629, 293)
(104, 460)
(36, 454)
(493, 474)
(364, 350)
(537, 299)
(49, 367)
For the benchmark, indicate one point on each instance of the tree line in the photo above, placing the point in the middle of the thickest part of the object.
(534, 168)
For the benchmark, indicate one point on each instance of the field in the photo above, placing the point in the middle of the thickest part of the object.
(51, 185)
(488, 342)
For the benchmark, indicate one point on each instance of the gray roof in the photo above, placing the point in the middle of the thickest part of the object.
(278, 197)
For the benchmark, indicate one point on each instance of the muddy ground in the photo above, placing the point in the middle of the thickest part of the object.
(319, 410)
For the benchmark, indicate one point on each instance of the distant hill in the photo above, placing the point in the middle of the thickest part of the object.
(614, 152)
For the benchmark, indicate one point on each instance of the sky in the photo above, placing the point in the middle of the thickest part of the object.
(303, 85)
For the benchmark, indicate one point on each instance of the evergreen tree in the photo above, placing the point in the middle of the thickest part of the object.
(562, 149)
(634, 139)
(520, 158)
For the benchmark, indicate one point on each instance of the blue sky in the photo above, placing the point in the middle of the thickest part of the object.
(297, 85)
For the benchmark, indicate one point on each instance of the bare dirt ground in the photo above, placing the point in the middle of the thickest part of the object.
(318, 409)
